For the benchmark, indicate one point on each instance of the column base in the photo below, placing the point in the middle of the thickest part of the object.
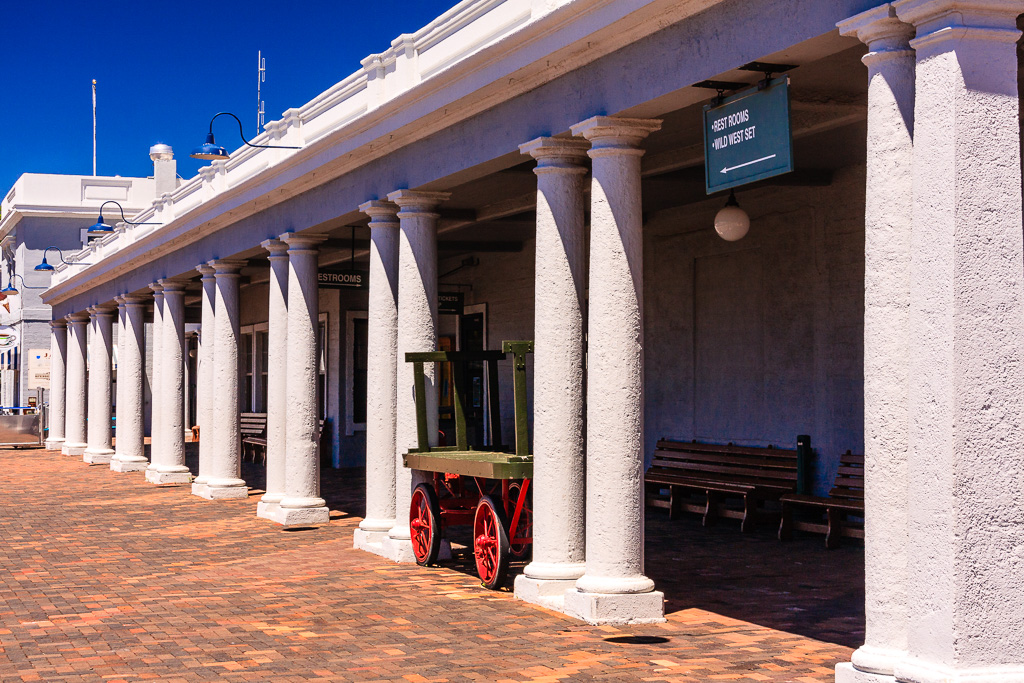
(398, 550)
(73, 448)
(53, 444)
(847, 673)
(199, 489)
(122, 465)
(615, 608)
(312, 516)
(98, 456)
(268, 510)
(370, 541)
(214, 491)
(917, 671)
(548, 593)
(162, 478)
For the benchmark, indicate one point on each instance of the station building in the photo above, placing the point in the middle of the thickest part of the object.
(47, 216)
(534, 169)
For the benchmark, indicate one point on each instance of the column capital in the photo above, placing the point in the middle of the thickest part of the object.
(383, 214)
(77, 318)
(938, 21)
(100, 310)
(302, 242)
(206, 270)
(277, 249)
(60, 322)
(158, 289)
(566, 155)
(413, 202)
(134, 300)
(174, 286)
(881, 30)
(227, 267)
(611, 134)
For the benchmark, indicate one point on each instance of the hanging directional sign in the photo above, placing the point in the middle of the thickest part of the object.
(342, 278)
(747, 136)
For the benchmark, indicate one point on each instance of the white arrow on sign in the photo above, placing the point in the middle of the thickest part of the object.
(749, 163)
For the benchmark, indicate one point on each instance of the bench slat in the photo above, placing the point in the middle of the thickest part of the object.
(782, 475)
(654, 475)
(726, 458)
(668, 445)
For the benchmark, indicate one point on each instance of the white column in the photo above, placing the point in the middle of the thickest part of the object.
(130, 449)
(156, 384)
(966, 436)
(382, 356)
(167, 462)
(101, 349)
(417, 331)
(58, 373)
(225, 479)
(614, 589)
(301, 504)
(74, 407)
(559, 486)
(205, 388)
(278, 408)
(171, 469)
(887, 229)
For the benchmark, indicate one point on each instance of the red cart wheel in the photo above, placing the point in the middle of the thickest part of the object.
(425, 525)
(490, 543)
(519, 548)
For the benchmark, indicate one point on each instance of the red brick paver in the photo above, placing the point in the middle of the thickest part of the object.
(107, 578)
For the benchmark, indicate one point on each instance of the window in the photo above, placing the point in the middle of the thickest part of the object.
(321, 380)
(356, 339)
(245, 372)
(262, 340)
(360, 329)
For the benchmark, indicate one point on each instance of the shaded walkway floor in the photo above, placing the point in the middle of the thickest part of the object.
(106, 578)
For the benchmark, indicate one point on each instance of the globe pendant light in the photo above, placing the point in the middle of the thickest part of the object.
(732, 222)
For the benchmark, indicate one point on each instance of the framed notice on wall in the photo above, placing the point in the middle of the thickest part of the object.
(38, 369)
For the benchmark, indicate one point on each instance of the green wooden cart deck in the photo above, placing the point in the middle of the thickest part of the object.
(484, 464)
(461, 458)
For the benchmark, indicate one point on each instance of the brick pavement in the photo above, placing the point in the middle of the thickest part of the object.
(106, 578)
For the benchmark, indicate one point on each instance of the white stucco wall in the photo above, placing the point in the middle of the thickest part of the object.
(776, 321)
(759, 340)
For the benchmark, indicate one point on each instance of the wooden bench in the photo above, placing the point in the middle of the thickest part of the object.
(845, 499)
(254, 435)
(755, 475)
(253, 427)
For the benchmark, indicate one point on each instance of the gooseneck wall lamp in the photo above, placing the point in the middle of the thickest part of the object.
(46, 267)
(211, 151)
(11, 290)
(101, 228)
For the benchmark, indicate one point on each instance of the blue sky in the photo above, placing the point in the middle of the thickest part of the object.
(164, 68)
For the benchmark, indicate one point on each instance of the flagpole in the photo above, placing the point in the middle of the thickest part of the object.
(94, 126)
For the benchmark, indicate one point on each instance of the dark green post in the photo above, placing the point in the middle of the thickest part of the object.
(422, 436)
(803, 463)
(458, 395)
(519, 349)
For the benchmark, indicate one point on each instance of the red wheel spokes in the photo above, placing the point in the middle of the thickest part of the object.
(420, 527)
(487, 546)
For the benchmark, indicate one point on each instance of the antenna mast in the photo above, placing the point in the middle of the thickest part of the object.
(261, 77)
(94, 126)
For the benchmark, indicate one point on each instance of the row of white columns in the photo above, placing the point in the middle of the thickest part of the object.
(943, 351)
(588, 528)
(293, 477)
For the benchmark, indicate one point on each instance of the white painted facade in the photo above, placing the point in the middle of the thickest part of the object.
(42, 210)
(875, 303)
